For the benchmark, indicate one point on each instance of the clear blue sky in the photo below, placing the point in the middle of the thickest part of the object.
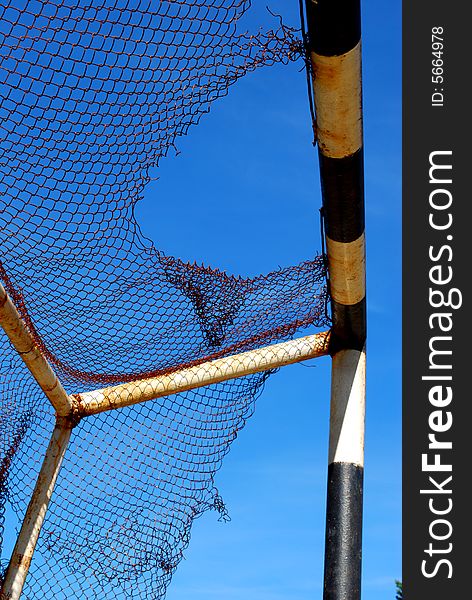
(244, 196)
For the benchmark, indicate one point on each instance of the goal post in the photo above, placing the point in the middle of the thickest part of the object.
(334, 34)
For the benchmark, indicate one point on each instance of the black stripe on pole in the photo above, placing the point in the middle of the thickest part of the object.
(334, 34)
(342, 185)
(349, 323)
(343, 555)
(344, 31)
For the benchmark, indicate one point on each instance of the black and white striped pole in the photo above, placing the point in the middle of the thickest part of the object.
(334, 38)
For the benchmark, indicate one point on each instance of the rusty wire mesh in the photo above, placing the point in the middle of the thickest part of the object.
(94, 95)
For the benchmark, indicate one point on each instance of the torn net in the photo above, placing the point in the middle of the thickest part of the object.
(95, 94)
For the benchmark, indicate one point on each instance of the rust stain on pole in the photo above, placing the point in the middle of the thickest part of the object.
(20, 561)
(338, 100)
(24, 344)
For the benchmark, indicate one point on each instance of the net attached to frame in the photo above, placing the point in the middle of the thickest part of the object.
(94, 95)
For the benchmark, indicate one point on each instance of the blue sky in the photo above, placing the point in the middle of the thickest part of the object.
(243, 195)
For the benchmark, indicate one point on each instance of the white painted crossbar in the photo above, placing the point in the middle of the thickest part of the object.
(216, 371)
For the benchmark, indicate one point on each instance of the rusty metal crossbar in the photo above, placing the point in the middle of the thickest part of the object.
(135, 392)
(23, 342)
(215, 371)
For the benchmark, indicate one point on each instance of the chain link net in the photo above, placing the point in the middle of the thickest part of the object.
(95, 94)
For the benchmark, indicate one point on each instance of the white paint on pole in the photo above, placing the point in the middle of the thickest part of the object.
(346, 439)
(216, 371)
(347, 270)
(24, 344)
(338, 102)
(23, 552)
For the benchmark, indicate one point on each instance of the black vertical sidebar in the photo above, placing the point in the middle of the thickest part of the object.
(437, 327)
